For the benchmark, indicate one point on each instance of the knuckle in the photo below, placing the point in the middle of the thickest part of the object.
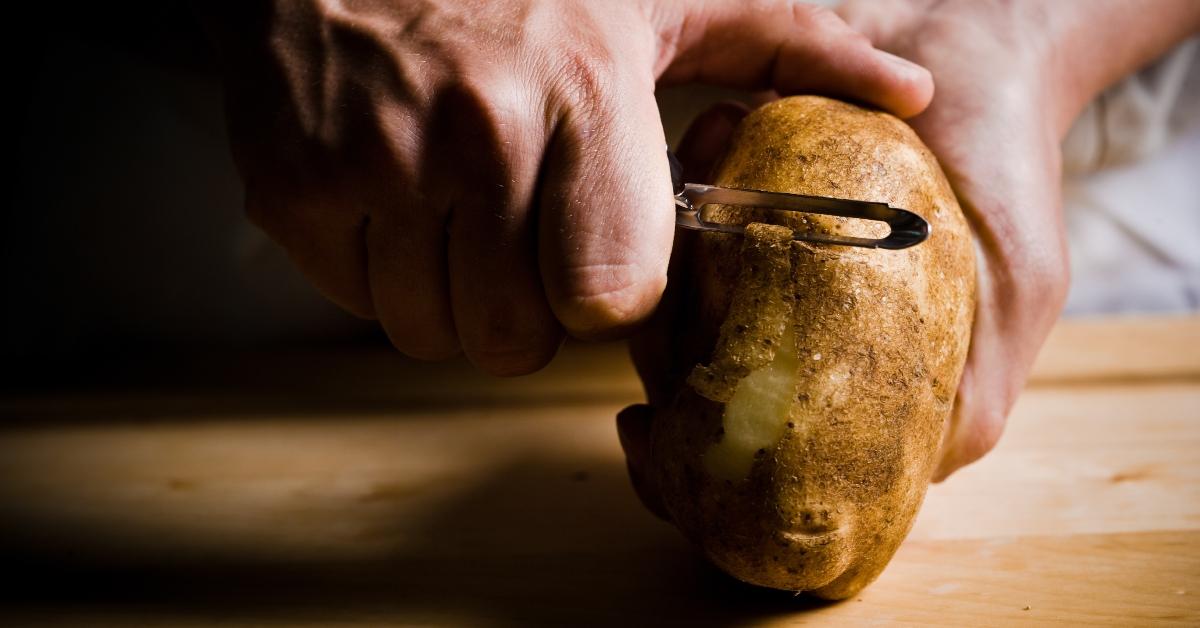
(587, 73)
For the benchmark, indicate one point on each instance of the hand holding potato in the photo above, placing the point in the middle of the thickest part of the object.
(1011, 78)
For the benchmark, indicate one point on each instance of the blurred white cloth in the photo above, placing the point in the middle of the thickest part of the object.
(1132, 192)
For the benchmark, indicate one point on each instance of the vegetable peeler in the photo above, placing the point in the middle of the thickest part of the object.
(907, 229)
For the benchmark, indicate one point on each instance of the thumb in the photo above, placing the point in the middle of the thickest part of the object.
(785, 45)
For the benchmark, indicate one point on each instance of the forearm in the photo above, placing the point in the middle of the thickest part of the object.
(1095, 44)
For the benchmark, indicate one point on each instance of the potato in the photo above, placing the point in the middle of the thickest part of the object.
(798, 455)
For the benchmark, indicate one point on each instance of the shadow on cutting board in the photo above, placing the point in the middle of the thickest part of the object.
(547, 539)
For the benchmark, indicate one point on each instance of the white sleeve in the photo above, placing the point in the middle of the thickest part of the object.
(1132, 192)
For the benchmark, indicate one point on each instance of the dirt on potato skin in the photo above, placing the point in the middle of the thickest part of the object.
(882, 338)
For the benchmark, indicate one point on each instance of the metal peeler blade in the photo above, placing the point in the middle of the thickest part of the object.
(907, 228)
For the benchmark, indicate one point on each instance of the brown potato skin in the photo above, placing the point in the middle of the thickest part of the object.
(825, 509)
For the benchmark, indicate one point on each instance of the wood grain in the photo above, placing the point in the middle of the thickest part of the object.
(1106, 349)
(371, 500)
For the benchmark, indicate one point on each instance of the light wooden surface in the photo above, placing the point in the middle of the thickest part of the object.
(358, 489)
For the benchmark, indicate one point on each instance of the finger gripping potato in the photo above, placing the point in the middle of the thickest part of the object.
(798, 455)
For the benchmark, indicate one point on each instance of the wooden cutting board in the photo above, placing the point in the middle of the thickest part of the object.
(356, 488)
